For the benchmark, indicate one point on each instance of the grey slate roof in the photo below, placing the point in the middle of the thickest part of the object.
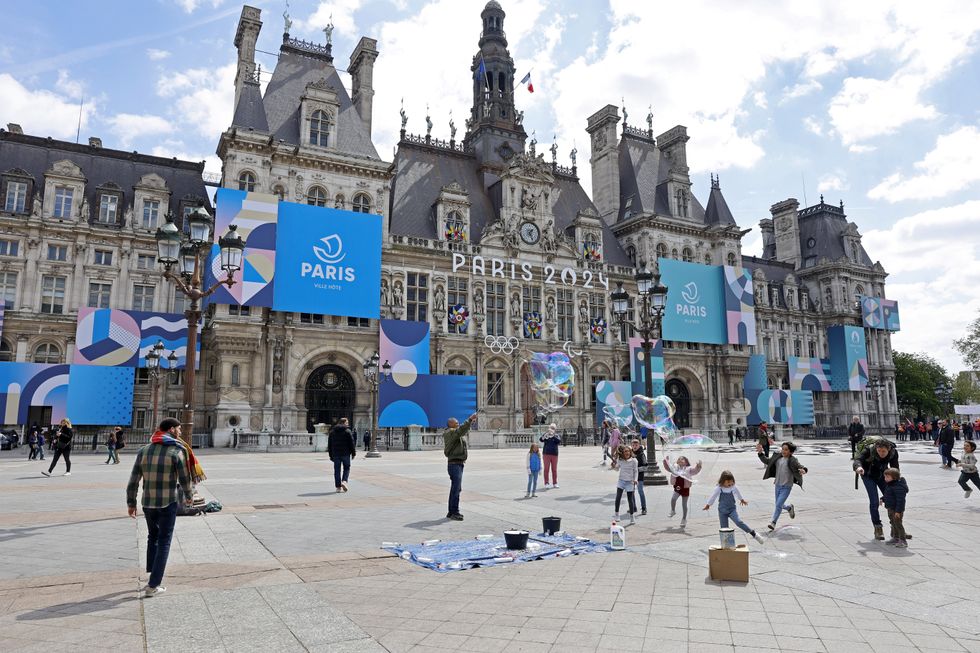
(775, 271)
(282, 103)
(250, 112)
(826, 225)
(718, 211)
(36, 155)
(643, 171)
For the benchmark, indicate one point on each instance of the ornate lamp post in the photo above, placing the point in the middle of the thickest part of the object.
(375, 376)
(874, 385)
(185, 251)
(653, 300)
(153, 359)
(944, 394)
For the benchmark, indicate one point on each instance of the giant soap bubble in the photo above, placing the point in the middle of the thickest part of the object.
(655, 413)
(689, 456)
(552, 380)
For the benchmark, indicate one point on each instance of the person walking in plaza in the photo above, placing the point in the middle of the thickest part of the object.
(551, 440)
(533, 469)
(62, 447)
(120, 441)
(32, 442)
(893, 498)
(967, 430)
(726, 493)
(945, 439)
(627, 481)
(614, 441)
(786, 470)
(762, 445)
(606, 453)
(162, 466)
(681, 478)
(341, 448)
(640, 453)
(455, 449)
(40, 445)
(111, 446)
(367, 439)
(968, 467)
(731, 435)
(870, 465)
(855, 433)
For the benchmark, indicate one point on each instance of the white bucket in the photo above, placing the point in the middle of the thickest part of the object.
(727, 537)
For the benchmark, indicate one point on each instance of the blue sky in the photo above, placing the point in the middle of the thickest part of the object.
(874, 103)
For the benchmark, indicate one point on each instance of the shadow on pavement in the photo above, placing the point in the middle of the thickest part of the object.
(94, 604)
(425, 525)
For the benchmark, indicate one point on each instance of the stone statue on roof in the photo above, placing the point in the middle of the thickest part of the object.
(626, 115)
(452, 127)
(328, 31)
(554, 152)
(287, 21)
(403, 115)
(428, 124)
(572, 155)
(650, 119)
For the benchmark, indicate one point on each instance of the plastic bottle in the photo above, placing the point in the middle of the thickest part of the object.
(617, 537)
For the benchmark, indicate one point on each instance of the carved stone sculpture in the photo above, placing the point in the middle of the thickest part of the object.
(515, 305)
(478, 302)
(398, 294)
(440, 299)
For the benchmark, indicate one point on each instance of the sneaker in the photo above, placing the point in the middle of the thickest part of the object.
(343, 484)
(643, 512)
(683, 523)
(879, 533)
(893, 541)
(772, 526)
(46, 473)
(632, 519)
(616, 517)
(547, 487)
(534, 496)
(671, 513)
(527, 496)
(456, 517)
(902, 544)
(966, 495)
(792, 511)
(758, 538)
(67, 473)
(555, 486)
(153, 591)
(339, 490)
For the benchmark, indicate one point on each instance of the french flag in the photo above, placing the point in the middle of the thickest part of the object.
(527, 80)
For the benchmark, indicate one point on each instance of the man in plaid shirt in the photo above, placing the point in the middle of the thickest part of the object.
(161, 465)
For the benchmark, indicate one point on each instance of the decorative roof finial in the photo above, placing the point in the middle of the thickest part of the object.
(821, 198)
(650, 120)
(403, 115)
(626, 115)
(452, 127)
(554, 149)
(842, 205)
(287, 21)
(573, 154)
(328, 31)
(533, 144)
(428, 123)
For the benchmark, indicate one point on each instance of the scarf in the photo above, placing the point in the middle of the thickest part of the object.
(194, 469)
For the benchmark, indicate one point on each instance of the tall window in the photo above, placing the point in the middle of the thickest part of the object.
(631, 254)
(531, 297)
(566, 314)
(47, 353)
(661, 250)
(597, 311)
(57, 252)
(812, 347)
(6, 353)
(181, 302)
(151, 213)
(361, 203)
(767, 347)
(797, 348)
(782, 349)
(495, 389)
(688, 255)
(246, 181)
(319, 129)
(143, 297)
(455, 227)
(8, 289)
(108, 208)
(9, 247)
(98, 295)
(316, 196)
(139, 418)
(145, 261)
(16, 197)
(457, 294)
(417, 297)
(682, 203)
(496, 308)
(732, 260)
(103, 257)
(63, 197)
(235, 375)
(53, 294)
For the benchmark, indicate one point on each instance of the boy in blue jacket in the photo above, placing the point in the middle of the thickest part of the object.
(894, 501)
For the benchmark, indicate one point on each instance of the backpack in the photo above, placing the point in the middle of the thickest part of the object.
(867, 442)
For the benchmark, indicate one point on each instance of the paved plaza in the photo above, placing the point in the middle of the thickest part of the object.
(289, 565)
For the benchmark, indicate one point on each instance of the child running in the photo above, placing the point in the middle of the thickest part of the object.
(628, 476)
(680, 478)
(968, 467)
(727, 493)
(614, 438)
(786, 470)
(894, 500)
(533, 467)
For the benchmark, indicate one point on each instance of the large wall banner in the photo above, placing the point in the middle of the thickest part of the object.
(809, 374)
(773, 406)
(85, 394)
(879, 313)
(739, 306)
(112, 337)
(695, 310)
(638, 370)
(330, 262)
(255, 216)
(848, 358)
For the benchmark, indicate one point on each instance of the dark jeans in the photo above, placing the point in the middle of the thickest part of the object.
(455, 486)
(338, 462)
(871, 487)
(629, 500)
(639, 490)
(33, 453)
(58, 453)
(160, 530)
(946, 453)
(964, 477)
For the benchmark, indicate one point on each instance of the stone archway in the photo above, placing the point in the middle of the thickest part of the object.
(329, 394)
(678, 392)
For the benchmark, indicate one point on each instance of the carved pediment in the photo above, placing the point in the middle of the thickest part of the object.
(532, 168)
(321, 85)
(455, 188)
(152, 180)
(65, 168)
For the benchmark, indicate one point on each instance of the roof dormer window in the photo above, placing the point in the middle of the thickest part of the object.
(108, 208)
(319, 129)
(16, 199)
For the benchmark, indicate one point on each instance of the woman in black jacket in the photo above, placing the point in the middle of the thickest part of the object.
(62, 447)
(870, 465)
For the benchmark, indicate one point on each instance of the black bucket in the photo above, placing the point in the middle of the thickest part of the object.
(550, 525)
(516, 539)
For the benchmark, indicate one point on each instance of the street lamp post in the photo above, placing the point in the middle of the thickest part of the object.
(944, 395)
(153, 358)
(185, 250)
(874, 385)
(653, 300)
(375, 376)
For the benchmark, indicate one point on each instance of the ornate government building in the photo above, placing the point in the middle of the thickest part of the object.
(483, 220)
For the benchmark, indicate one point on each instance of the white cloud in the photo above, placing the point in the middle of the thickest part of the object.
(832, 182)
(861, 149)
(42, 112)
(202, 98)
(68, 86)
(800, 90)
(340, 13)
(928, 261)
(190, 5)
(865, 108)
(812, 125)
(759, 99)
(177, 149)
(128, 127)
(952, 165)
(157, 55)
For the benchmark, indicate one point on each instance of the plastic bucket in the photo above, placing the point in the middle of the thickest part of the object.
(550, 525)
(516, 539)
(727, 537)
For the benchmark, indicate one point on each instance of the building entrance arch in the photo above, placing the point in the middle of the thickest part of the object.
(330, 394)
(678, 392)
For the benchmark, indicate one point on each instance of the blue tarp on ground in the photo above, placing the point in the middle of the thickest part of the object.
(468, 554)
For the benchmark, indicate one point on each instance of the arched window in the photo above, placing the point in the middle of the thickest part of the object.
(673, 253)
(631, 253)
(279, 192)
(6, 353)
(246, 181)
(732, 261)
(661, 250)
(361, 203)
(688, 254)
(316, 196)
(319, 129)
(47, 353)
(858, 292)
(235, 375)
(455, 227)
(339, 202)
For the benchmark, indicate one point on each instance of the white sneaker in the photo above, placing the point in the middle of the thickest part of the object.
(967, 494)
(46, 473)
(671, 513)
(547, 487)
(758, 538)
(683, 523)
(555, 486)
(616, 517)
(67, 473)
(632, 519)
(527, 496)
(153, 591)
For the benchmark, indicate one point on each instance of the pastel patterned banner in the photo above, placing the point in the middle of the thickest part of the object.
(85, 394)
(459, 316)
(256, 217)
(889, 310)
(614, 397)
(773, 406)
(880, 313)
(532, 325)
(848, 358)
(405, 346)
(637, 369)
(809, 374)
(739, 306)
(111, 337)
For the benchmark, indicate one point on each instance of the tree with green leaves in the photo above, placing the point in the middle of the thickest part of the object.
(969, 345)
(916, 378)
(964, 391)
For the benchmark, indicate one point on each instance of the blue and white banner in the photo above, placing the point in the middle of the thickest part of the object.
(695, 310)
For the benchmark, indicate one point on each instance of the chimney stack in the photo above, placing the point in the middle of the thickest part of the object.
(361, 70)
(245, 38)
(605, 162)
(14, 128)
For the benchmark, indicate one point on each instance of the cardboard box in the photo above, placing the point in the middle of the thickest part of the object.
(729, 564)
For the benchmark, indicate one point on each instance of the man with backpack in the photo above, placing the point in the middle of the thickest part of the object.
(855, 433)
(872, 457)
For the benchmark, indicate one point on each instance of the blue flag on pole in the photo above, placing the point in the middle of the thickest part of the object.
(481, 72)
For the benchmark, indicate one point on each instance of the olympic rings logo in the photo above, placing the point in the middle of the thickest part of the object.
(501, 344)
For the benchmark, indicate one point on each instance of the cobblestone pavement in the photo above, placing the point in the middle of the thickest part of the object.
(290, 565)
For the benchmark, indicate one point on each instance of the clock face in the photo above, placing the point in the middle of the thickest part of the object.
(530, 233)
